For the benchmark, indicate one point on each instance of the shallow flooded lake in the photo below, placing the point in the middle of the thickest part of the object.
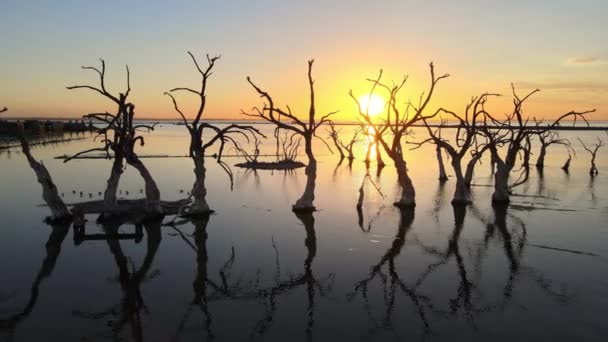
(256, 271)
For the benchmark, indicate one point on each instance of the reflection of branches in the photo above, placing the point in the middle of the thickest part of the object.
(390, 280)
(205, 288)
(360, 201)
(53, 250)
(128, 312)
(306, 279)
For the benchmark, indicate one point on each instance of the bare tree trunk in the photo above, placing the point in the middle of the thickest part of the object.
(51, 197)
(199, 191)
(540, 162)
(408, 193)
(109, 196)
(379, 160)
(469, 172)
(305, 203)
(501, 183)
(462, 192)
(152, 192)
(442, 175)
(566, 166)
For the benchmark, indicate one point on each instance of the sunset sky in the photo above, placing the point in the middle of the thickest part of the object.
(557, 45)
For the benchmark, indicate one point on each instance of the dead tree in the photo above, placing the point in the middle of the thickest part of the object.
(593, 151)
(305, 128)
(334, 135)
(511, 133)
(198, 145)
(467, 142)
(120, 136)
(546, 139)
(396, 125)
(3, 110)
(566, 166)
(50, 195)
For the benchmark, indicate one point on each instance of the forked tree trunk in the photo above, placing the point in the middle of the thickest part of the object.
(442, 175)
(305, 203)
(199, 191)
(540, 162)
(51, 197)
(408, 193)
(152, 192)
(469, 172)
(462, 192)
(501, 183)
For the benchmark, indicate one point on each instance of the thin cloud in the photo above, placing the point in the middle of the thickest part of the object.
(584, 61)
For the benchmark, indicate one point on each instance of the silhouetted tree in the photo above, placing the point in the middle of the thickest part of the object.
(305, 128)
(334, 135)
(50, 194)
(512, 133)
(593, 152)
(119, 136)
(4, 109)
(467, 142)
(396, 125)
(546, 139)
(198, 145)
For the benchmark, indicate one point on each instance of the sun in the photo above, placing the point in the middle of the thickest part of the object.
(372, 104)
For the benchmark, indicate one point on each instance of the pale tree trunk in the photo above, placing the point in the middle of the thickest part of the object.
(50, 195)
(501, 183)
(152, 192)
(109, 196)
(305, 203)
(199, 191)
(462, 192)
(442, 174)
(540, 162)
(408, 194)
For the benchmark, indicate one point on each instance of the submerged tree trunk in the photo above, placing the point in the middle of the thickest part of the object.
(469, 172)
(501, 183)
(109, 196)
(51, 197)
(305, 203)
(442, 175)
(379, 160)
(199, 191)
(540, 162)
(408, 194)
(152, 192)
(462, 192)
(566, 166)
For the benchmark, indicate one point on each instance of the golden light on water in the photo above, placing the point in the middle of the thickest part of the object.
(372, 104)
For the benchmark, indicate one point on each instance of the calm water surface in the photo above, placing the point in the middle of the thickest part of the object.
(256, 271)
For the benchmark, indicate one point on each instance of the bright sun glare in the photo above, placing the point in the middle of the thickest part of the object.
(372, 104)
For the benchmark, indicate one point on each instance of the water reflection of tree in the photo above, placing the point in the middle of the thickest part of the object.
(392, 283)
(129, 311)
(9, 324)
(315, 287)
(206, 289)
(513, 240)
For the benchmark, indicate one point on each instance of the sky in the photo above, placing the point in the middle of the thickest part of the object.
(558, 46)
